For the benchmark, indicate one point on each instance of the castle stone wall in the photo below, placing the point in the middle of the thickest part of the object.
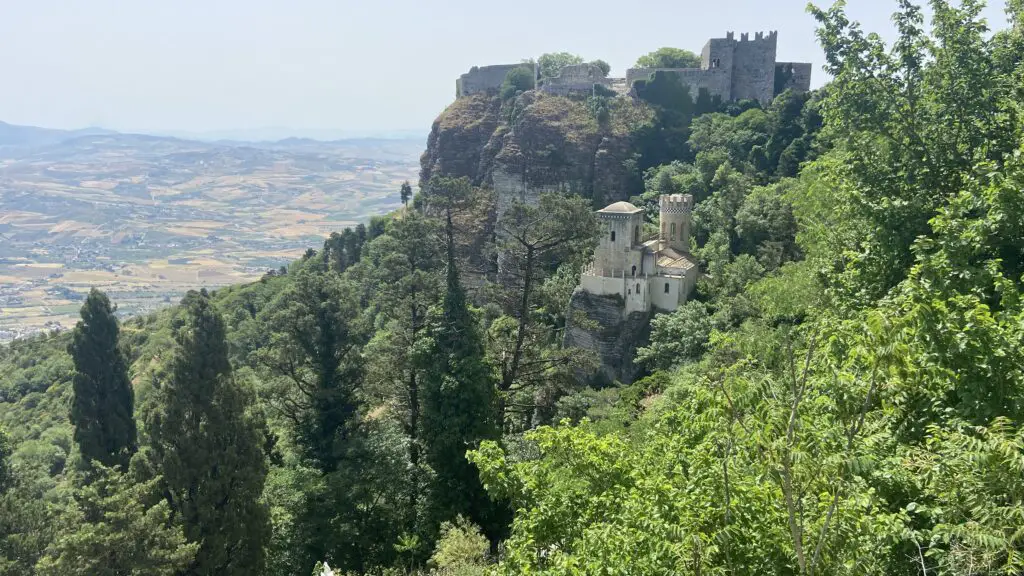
(603, 285)
(634, 74)
(670, 300)
(716, 81)
(753, 75)
(577, 78)
(730, 69)
(482, 79)
(796, 76)
(637, 295)
(718, 53)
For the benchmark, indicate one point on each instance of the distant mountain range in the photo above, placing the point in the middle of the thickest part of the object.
(273, 134)
(15, 136)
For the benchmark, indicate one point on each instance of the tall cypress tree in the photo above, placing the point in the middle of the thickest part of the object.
(102, 408)
(207, 445)
(406, 193)
(458, 406)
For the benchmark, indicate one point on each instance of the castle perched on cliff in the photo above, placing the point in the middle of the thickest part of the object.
(730, 69)
(630, 279)
(658, 274)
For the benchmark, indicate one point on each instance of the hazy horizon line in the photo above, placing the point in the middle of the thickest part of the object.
(262, 133)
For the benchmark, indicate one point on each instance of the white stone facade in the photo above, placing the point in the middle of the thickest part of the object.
(658, 274)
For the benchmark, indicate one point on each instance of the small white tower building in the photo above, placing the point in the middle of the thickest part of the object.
(656, 274)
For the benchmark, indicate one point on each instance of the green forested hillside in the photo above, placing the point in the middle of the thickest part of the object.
(843, 395)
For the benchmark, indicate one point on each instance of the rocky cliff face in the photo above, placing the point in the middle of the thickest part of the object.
(459, 138)
(598, 323)
(539, 143)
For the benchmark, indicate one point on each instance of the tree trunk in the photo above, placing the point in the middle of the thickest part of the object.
(509, 377)
(414, 412)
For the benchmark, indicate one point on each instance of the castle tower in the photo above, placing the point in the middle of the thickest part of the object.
(675, 221)
(718, 54)
(622, 225)
(753, 61)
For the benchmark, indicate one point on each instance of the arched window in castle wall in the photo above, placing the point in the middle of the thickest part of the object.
(673, 230)
(638, 289)
(636, 234)
(613, 235)
(634, 271)
(666, 287)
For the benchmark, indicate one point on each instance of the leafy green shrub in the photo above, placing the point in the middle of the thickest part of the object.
(551, 64)
(604, 66)
(677, 337)
(669, 58)
(462, 549)
(519, 79)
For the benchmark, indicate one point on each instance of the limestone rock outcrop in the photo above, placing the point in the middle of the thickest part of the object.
(539, 141)
(458, 144)
(599, 324)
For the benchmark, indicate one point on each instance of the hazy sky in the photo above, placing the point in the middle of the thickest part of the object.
(204, 65)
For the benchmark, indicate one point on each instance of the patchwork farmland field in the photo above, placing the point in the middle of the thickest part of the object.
(148, 218)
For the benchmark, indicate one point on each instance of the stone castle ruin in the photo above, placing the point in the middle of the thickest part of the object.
(576, 78)
(482, 79)
(730, 69)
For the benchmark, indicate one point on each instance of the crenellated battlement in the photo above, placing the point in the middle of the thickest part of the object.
(676, 203)
(773, 36)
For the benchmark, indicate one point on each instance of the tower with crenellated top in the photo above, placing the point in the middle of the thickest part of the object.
(674, 217)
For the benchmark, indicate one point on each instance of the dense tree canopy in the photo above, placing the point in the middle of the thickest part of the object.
(6, 476)
(842, 394)
(119, 526)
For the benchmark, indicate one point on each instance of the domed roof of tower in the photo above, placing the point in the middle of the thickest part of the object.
(619, 208)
